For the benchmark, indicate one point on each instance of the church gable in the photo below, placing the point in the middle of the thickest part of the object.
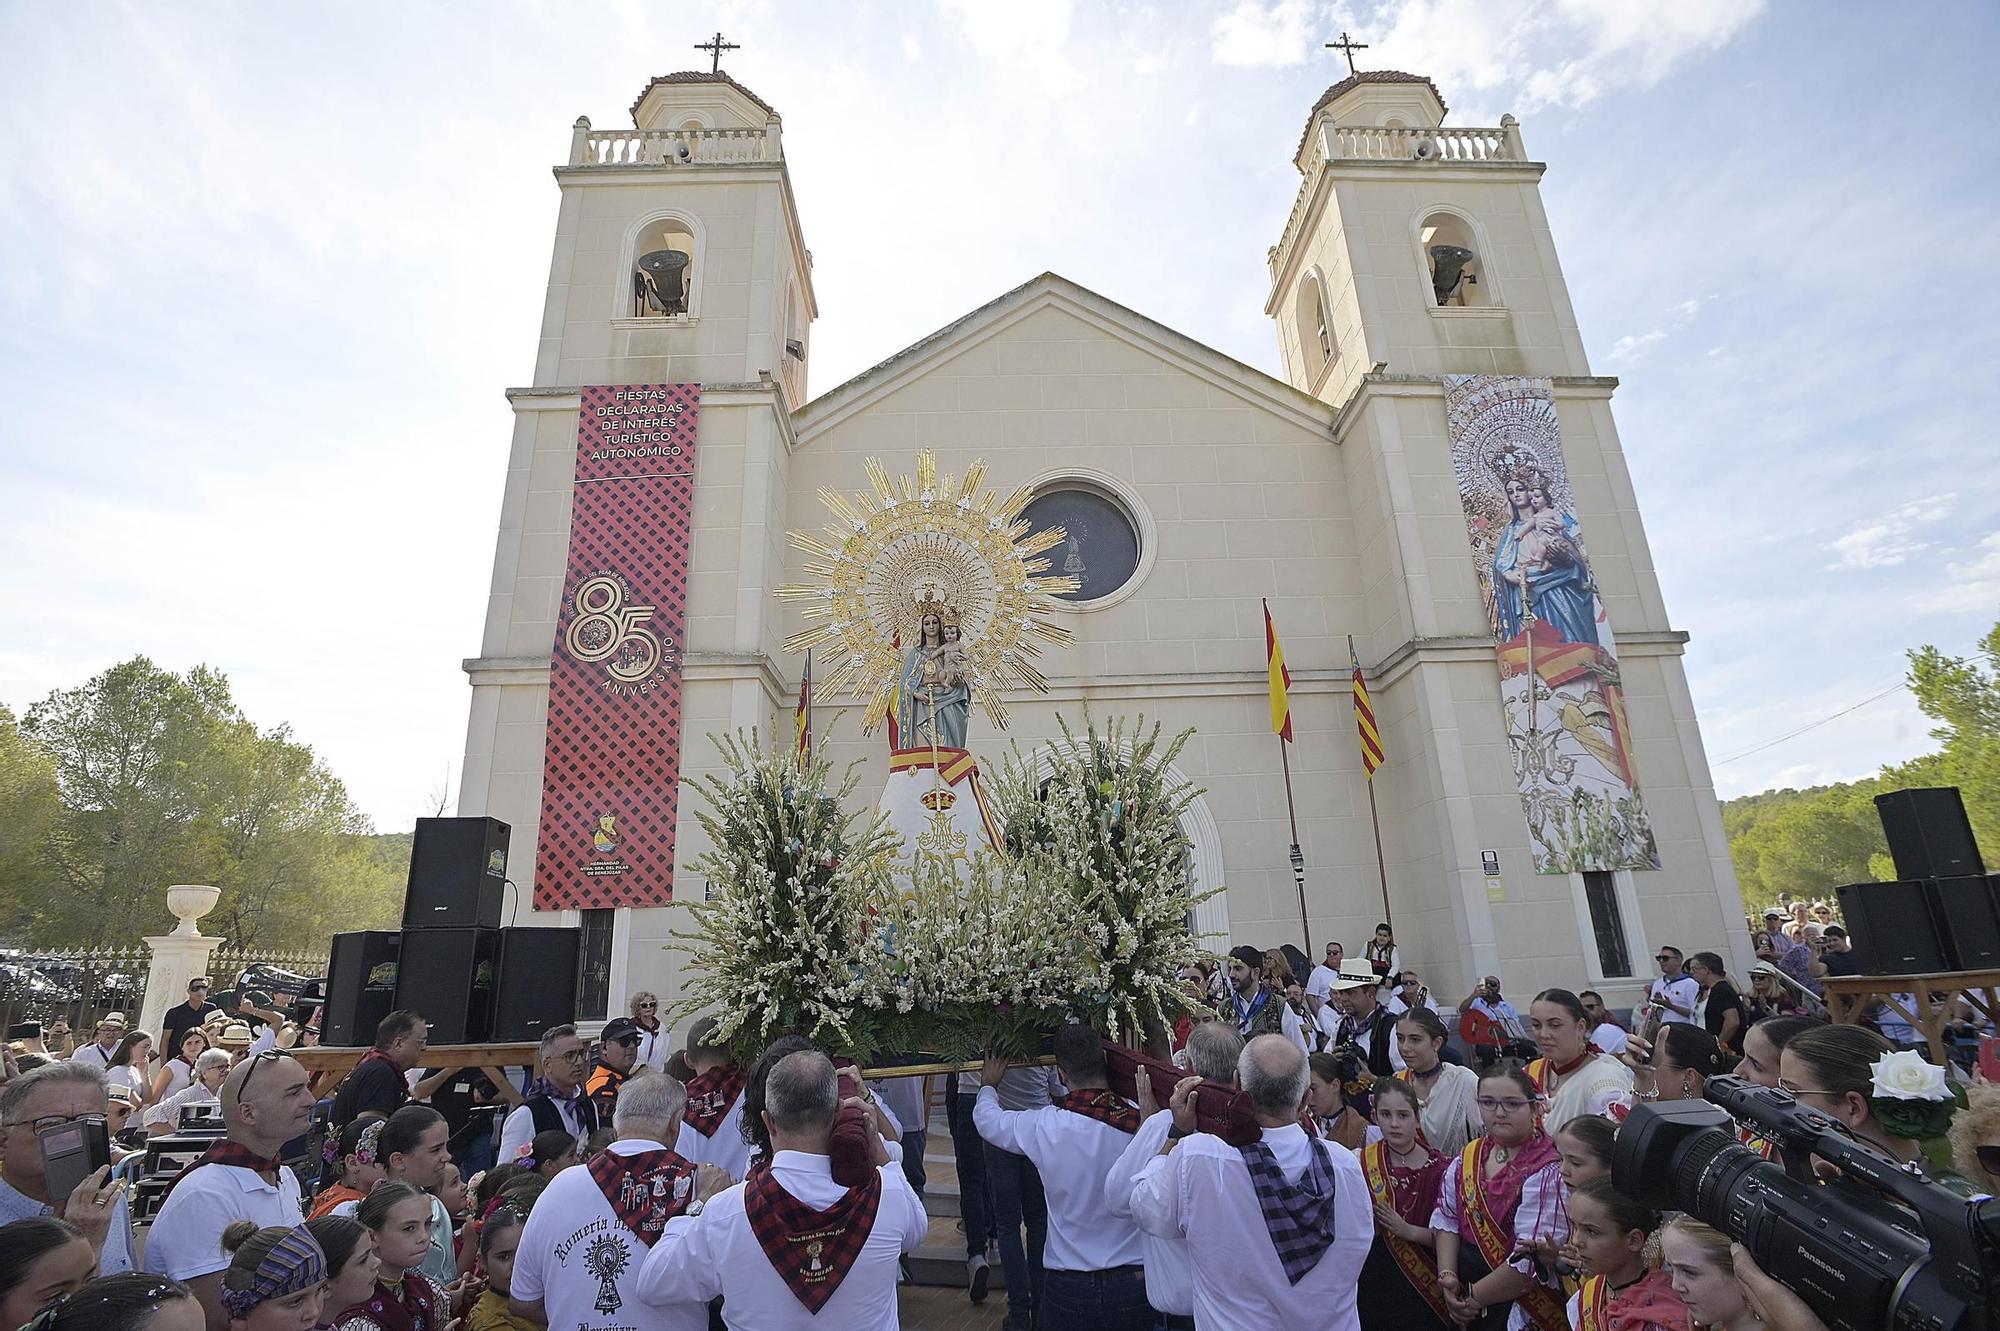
(1053, 326)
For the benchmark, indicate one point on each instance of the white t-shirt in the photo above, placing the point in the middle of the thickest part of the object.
(94, 1053)
(1682, 990)
(1610, 1037)
(1320, 983)
(576, 1256)
(185, 1240)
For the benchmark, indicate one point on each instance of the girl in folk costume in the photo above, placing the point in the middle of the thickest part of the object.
(355, 1169)
(1619, 1292)
(1336, 1117)
(1447, 1093)
(276, 1279)
(1573, 1075)
(1698, 1265)
(404, 1298)
(1763, 1046)
(499, 1238)
(1399, 1283)
(1501, 1195)
(1891, 1099)
(351, 1264)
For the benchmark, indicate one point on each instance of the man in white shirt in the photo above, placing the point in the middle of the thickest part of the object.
(56, 1093)
(1409, 993)
(1605, 1033)
(562, 1106)
(1320, 983)
(110, 1030)
(790, 1249)
(578, 1263)
(1284, 1225)
(1212, 1050)
(1091, 1260)
(265, 1103)
(712, 1127)
(1675, 992)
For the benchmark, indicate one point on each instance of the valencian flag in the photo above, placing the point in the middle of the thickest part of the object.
(1281, 680)
(803, 721)
(1364, 717)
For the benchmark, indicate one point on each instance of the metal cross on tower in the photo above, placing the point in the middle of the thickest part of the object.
(1346, 46)
(718, 46)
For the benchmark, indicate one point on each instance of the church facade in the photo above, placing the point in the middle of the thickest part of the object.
(1417, 262)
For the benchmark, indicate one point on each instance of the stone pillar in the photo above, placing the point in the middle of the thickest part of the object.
(179, 956)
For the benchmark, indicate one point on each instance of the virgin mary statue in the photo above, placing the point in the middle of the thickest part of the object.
(934, 701)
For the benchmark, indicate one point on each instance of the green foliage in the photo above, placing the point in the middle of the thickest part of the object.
(159, 778)
(1804, 843)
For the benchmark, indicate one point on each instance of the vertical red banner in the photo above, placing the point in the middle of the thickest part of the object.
(612, 757)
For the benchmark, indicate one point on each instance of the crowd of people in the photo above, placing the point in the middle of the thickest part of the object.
(1339, 1151)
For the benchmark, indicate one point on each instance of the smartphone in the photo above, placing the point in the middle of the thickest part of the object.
(1649, 1028)
(1989, 1060)
(71, 1153)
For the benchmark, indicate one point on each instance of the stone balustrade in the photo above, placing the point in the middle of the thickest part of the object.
(671, 147)
(1444, 145)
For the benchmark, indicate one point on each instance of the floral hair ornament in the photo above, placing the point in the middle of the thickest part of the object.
(365, 1144)
(1912, 1098)
(295, 1264)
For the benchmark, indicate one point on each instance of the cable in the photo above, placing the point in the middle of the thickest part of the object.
(1812, 725)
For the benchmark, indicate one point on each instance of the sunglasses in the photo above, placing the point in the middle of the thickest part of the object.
(256, 1061)
(627, 1040)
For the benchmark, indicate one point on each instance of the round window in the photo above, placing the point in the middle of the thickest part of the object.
(1101, 549)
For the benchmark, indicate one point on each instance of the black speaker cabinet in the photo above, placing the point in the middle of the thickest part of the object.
(1928, 833)
(535, 982)
(1892, 928)
(458, 873)
(360, 986)
(1967, 919)
(446, 976)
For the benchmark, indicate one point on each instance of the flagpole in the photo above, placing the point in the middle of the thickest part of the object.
(1298, 856)
(1374, 815)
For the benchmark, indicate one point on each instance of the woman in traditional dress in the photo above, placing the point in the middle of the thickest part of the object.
(1573, 1075)
(1609, 1232)
(1447, 1093)
(1502, 1195)
(404, 1298)
(1399, 1283)
(1856, 1076)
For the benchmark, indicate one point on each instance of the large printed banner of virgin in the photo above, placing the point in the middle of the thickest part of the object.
(612, 759)
(1560, 689)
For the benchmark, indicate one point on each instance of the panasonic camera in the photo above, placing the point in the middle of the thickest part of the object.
(1877, 1246)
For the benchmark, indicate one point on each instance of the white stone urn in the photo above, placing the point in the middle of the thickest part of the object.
(189, 902)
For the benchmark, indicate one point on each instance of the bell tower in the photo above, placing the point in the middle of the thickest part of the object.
(1417, 251)
(679, 259)
(1415, 244)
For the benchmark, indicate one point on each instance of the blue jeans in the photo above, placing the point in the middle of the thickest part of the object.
(1096, 1301)
(913, 1160)
(974, 1202)
(1018, 1200)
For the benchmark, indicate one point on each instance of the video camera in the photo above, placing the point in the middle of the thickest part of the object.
(1878, 1247)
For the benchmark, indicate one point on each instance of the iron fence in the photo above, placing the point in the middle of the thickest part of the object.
(81, 985)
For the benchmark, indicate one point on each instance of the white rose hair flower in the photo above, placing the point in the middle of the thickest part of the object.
(1904, 1075)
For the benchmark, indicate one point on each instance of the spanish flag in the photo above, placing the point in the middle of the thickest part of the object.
(802, 722)
(1281, 680)
(1364, 717)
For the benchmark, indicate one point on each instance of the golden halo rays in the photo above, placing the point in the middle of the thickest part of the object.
(927, 539)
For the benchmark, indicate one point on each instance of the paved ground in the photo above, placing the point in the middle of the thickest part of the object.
(949, 1310)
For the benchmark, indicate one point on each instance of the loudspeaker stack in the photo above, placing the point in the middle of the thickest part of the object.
(1944, 912)
(472, 980)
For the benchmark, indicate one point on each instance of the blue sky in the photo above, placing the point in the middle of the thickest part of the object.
(266, 270)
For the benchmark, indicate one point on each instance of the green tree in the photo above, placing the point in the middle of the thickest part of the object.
(162, 779)
(30, 805)
(1961, 694)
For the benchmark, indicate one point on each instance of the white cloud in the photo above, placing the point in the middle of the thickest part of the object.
(1885, 540)
(1258, 34)
(912, 49)
(1568, 53)
(1970, 586)
(1031, 31)
(1630, 348)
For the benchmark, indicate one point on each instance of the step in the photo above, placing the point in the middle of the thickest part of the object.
(944, 1266)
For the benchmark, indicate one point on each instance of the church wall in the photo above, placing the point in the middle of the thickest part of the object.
(1245, 503)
